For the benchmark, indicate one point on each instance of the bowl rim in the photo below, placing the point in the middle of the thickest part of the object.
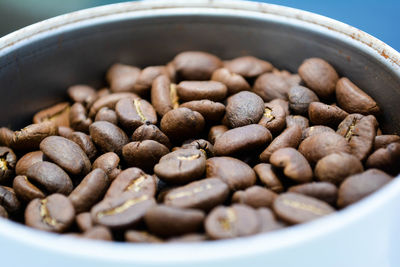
(198, 252)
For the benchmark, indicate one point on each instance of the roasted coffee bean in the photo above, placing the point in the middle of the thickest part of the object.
(294, 164)
(295, 208)
(358, 186)
(215, 132)
(108, 137)
(85, 142)
(291, 137)
(188, 238)
(382, 141)
(336, 167)
(314, 130)
(203, 194)
(248, 66)
(122, 78)
(198, 90)
(109, 163)
(78, 118)
(321, 190)
(6, 136)
(244, 108)
(169, 221)
(83, 94)
(98, 233)
(132, 180)
(103, 92)
(30, 137)
(90, 190)
(147, 76)
(242, 139)
(353, 99)
(122, 211)
(282, 103)
(267, 175)
(84, 221)
(297, 120)
(300, 98)
(164, 96)
(144, 154)
(3, 212)
(230, 222)
(107, 114)
(109, 101)
(133, 113)
(211, 111)
(359, 132)
(320, 113)
(274, 117)
(8, 162)
(66, 154)
(235, 173)
(318, 146)
(234, 82)
(25, 190)
(9, 200)
(203, 145)
(50, 177)
(141, 237)
(181, 166)
(182, 123)
(196, 65)
(319, 76)
(58, 114)
(53, 214)
(65, 131)
(268, 221)
(386, 159)
(255, 196)
(273, 85)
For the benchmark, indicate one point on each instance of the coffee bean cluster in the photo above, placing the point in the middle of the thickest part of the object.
(198, 149)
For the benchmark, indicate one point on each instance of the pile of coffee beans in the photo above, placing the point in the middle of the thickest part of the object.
(198, 149)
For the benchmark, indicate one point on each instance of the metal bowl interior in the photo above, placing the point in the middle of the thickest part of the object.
(39, 62)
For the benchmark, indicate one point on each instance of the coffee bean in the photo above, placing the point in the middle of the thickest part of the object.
(58, 114)
(216, 131)
(234, 82)
(244, 108)
(254, 196)
(314, 130)
(78, 118)
(382, 141)
(122, 78)
(6, 136)
(107, 114)
(358, 186)
(169, 221)
(291, 137)
(294, 164)
(353, 99)
(295, 208)
(359, 132)
(297, 120)
(133, 113)
(320, 190)
(98, 233)
(146, 78)
(318, 146)
(235, 173)
(83, 94)
(65, 131)
(272, 85)
(230, 222)
(9, 200)
(336, 167)
(50, 177)
(84, 221)
(132, 180)
(109, 163)
(90, 190)
(211, 111)
(196, 65)
(242, 139)
(181, 166)
(66, 154)
(268, 176)
(110, 101)
(188, 238)
(268, 221)
(85, 142)
(25, 190)
(150, 132)
(248, 66)
(203, 194)
(274, 117)
(3, 212)
(103, 92)
(182, 123)
(203, 145)
(386, 159)
(8, 161)
(320, 113)
(30, 137)
(143, 154)
(198, 90)
(319, 76)
(164, 96)
(141, 237)
(300, 98)
(53, 214)
(122, 211)
(108, 137)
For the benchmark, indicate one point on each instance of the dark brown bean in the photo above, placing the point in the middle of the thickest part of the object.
(248, 66)
(141, 237)
(164, 96)
(300, 98)
(196, 65)
(215, 132)
(64, 131)
(297, 120)
(198, 90)
(320, 190)
(268, 221)
(58, 114)
(386, 159)
(85, 142)
(6, 136)
(122, 78)
(150, 132)
(109, 163)
(3, 213)
(211, 111)
(146, 78)
(320, 113)
(84, 221)
(203, 145)
(108, 137)
(274, 117)
(314, 130)
(268, 176)
(234, 82)
(8, 162)
(143, 154)
(255, 196)
(107, 114)
(78, 118)
(25, 190)
(133, 113)
(30, 137)
(109, 101)
(9, 200)
(83, 94)
(270, 86)
(382, 141)
(98, 233)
